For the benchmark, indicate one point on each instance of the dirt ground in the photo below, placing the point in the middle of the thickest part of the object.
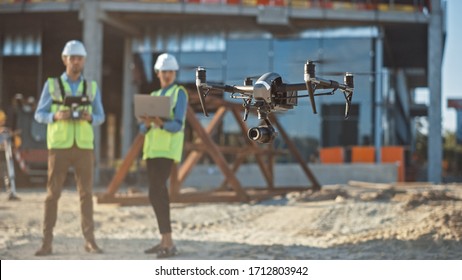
(355, 221)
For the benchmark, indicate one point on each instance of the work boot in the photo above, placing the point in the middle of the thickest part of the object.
(46, 248)
(91, 247)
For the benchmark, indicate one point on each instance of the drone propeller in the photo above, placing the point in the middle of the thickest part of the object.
(338, 73)
(322, 61)
(194, 67)
(234, 77)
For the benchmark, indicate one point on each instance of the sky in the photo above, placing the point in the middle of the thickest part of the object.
(452, 62)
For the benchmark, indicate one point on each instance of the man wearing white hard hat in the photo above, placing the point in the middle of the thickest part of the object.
(163, 146)
(70, 140)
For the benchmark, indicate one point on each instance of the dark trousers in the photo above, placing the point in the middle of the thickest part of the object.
(59, 161)
(158, 173)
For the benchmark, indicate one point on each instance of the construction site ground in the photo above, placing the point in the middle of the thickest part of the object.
(353, 221)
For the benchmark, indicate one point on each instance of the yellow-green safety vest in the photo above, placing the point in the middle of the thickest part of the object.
(160, 143)
(63, 134)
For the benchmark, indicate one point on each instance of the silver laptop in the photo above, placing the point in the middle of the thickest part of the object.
(152, 106)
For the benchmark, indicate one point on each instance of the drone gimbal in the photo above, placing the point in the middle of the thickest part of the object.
(271, 94)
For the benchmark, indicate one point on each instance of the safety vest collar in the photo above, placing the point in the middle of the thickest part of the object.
(56, 89)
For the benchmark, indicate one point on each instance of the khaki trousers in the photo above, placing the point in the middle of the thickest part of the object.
(59, 162)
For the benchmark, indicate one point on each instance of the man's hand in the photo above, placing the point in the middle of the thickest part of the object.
(62, 115)
(86, 116)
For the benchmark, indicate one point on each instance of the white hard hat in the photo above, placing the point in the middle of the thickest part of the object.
(166, 62)
(74, 47)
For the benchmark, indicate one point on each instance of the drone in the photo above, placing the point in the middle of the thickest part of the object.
(270, 94)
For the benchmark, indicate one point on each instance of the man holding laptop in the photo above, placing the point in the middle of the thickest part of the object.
(163, 146)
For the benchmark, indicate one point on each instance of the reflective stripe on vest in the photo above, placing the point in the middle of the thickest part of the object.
(160, 143)
(63, 134)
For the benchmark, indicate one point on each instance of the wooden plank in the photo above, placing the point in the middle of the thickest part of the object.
(267, 173)
(217, 157)
(120, 174)
(194, 156)
(370, 185)
(296, 154)
(237, 163)
(254, 194)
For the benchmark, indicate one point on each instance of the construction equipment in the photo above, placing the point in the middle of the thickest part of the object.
(7, 164)
(29, 147)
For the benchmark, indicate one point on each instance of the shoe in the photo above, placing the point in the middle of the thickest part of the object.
(91, 247)
(44, 251)
(167, 252)
(13, 197)
(154, 250)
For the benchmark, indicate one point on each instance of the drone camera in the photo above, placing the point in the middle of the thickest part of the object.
(262, 134)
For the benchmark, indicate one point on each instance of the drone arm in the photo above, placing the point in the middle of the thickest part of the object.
(325, 84)
(346, 88)
(330, 84)
(292, 87)
(241, 89)
(228, 88)
(320, 83)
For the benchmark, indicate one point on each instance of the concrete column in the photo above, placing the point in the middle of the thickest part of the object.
(2, 98)
(93, 40)
(127, 98)
(435, 57)
(378, 97)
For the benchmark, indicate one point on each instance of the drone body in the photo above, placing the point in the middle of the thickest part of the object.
(270, 94)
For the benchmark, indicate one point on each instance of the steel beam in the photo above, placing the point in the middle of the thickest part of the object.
(435, 57)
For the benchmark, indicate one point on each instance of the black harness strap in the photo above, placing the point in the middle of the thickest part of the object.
(84, 93)
(63, 93)
(61, 87)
